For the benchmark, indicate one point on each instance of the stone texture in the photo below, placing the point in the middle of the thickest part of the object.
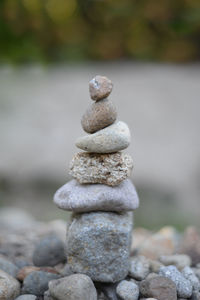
(113, 138)
(8, 267)
(183, 286)
(84, 198)
(21, 275)
(27, 297)
(195, 295)
(100, 87)
(98, 116)
(139, 268)
(36, 283)
(107, 289)
(74, 287)
(109, 169)
(9, 286)
(159, 287)
(191, 244)
(49, 251)
(178, 260)
(163, 242)
(127, 290)
(189, 274)
(98, 244)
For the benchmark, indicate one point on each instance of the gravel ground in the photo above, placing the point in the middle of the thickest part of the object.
(164, 265)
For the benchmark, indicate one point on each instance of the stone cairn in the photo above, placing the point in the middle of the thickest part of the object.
(100, 196)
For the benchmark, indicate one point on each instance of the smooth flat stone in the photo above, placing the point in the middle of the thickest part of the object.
(98, 245)
(97, 197)
(98, 116)
(110, 169)
(111, 139)
(100, 87)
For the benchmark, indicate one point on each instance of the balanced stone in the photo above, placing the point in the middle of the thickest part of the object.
(98, 245)
(111, 139)
(110, 169)
(77, 197)
(100, 87)
(98, 116)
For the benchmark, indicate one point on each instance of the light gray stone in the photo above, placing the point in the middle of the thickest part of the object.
(111, 139)
(9, 286)
(109, 169)
(73, 287)
(26, 297)
(49, 251)
(128, 290)
(98, 244)
(189, 274)
(183, 286)
(100, 87)
(179, 260)
(98, 116)
(139, 268)
(8, 267)
(84, 198)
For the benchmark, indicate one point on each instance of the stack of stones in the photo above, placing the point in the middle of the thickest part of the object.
(100, 196)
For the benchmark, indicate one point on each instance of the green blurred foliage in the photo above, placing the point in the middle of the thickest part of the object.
(65, 30)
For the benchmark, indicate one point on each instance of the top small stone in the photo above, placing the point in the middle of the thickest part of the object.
(100, 87)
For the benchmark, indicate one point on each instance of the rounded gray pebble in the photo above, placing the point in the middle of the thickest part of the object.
(36, 282)
(139, 268)
(183, 286)
(50, 251)
(26, 297)
(128, 290)
(189, 274)
(8, 267)
(73, 287)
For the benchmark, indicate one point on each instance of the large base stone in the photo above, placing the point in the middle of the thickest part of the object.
(98, 245)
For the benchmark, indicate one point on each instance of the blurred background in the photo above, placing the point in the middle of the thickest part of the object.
(49, 50)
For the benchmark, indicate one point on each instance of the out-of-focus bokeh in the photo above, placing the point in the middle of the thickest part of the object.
(51, 49)
(52, 30)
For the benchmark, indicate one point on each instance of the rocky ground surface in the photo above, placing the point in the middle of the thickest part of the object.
(164, 265)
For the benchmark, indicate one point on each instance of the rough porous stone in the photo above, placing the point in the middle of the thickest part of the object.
(113, 138)
(27, 297)
(127, 290)
(159, 287)
(98, 116)
(183, 286)
(109, 169)
(9, 286)
(100, 87)
(74, 287)
(98, 244)
(189, 274)
(77, 197)
(8, 267)
(178, 260)
(36, 283)
(49, 251)
(139, 268)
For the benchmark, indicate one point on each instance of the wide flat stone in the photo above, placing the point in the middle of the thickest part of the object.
(77, 197)
(110, 169)
(111, 139)
(98, 116)
(98, 245)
